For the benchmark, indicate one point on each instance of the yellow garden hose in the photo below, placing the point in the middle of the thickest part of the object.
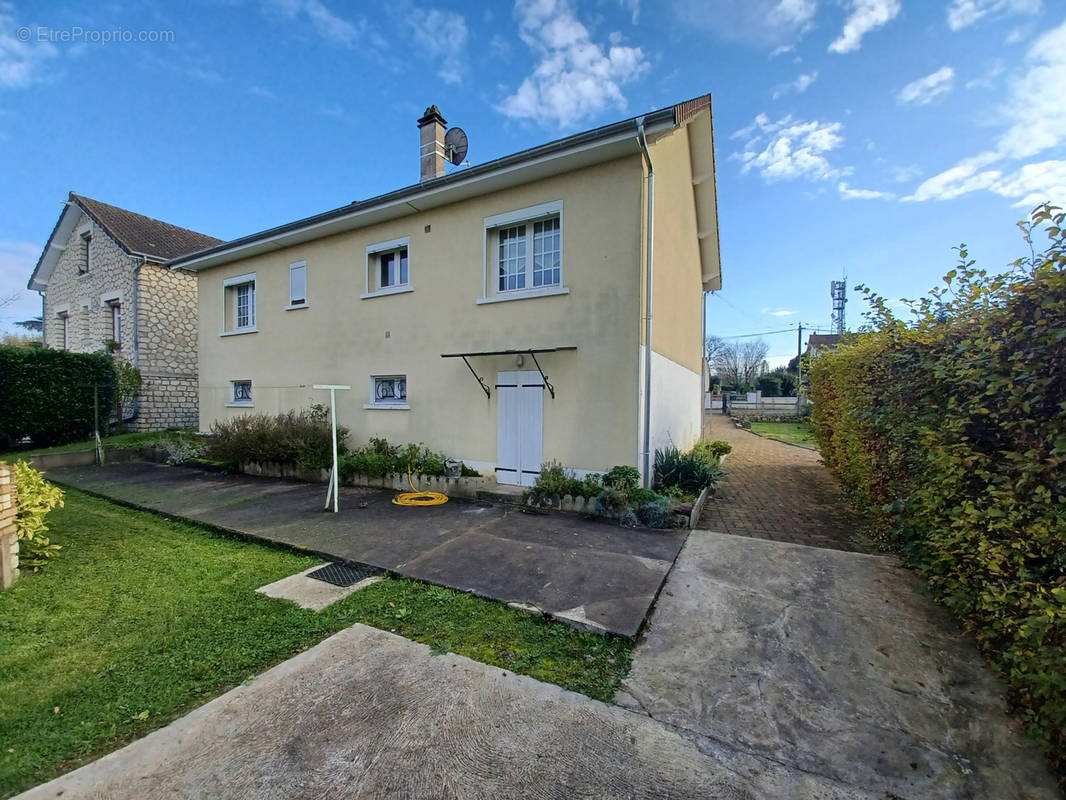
(417, 498)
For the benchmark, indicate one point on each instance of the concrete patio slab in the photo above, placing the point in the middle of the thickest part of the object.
(553, 562)
(830, 662)
(311, 593)
(366, 714)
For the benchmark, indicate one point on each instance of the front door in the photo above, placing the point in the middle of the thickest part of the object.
(520, 427)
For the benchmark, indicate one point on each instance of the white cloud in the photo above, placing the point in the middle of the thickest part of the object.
(576, 77)
(327, 24)
(800, 85)
(788, 149)
(260, 91)
(771, 24)
(924, 91)
(847, 193)
(781, 312)
(964, 13)
(865, 16)
(633, 7)
(1035, 119)
(442, 35)
(991, 74)
(21, 63)
(906, 174)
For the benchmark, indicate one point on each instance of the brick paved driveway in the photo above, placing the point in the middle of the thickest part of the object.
(778, 492)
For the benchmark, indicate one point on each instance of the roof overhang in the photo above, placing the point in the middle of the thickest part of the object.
(705, 196)
(565, 155)
(56, 246)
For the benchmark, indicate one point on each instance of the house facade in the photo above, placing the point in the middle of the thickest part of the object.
(104, 286)
(497, 313)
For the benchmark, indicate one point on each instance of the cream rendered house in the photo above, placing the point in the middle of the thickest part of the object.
(497, 313)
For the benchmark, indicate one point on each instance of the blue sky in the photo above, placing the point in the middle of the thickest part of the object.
(866, 136)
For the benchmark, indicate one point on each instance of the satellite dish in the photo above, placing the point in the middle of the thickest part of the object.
(455, 145)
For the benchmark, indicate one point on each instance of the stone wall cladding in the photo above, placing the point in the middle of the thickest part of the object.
(111, 272)
(9, 540)
(161, 341)
(168, 332)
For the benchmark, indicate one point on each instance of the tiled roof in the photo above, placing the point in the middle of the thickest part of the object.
(144, 235)
(823, 340)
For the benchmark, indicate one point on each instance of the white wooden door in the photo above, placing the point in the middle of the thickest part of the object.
(520, 427)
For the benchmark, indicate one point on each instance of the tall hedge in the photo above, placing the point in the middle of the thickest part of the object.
(949, 431)
(48, 395)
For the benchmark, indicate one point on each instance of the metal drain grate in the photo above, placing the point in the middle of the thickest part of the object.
(343, 574)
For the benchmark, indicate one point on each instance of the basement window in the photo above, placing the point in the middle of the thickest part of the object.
(240, 394)
(388, 391)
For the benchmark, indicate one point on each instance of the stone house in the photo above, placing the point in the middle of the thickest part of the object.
(104, 286)
(502, 313)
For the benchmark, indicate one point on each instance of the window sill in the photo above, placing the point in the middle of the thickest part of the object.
(297, 307)
(239, 332)
(387, 407)
(240, 405)
(391, 290)
(524, 294)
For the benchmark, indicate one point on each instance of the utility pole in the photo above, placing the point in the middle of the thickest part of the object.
(799, 361)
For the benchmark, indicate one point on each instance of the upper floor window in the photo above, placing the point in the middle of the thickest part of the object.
(64, 320)
(297, 284)
(388, 267)
(116, 322)
(239, 304)
(85, 257)
(525, 253)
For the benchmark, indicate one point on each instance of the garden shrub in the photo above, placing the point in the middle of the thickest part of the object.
(622, 477)
(555, 481)
(36, 497)
(713, 449)
(379, 459)
(615, 495)
(48, 394)
(949, 432)
(181, 447)
(298, 437)
(691, 472)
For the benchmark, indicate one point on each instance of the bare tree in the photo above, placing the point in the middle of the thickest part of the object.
(741, 363)
(712, 346)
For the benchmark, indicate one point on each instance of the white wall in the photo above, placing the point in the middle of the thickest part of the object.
(676, 399)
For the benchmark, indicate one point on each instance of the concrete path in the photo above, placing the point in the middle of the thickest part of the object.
(825, 662)
(588, 573)
(366, 714)
(779, 492)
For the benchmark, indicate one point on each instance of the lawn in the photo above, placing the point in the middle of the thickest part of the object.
(138, 439)
(140, 619)
(791, 432)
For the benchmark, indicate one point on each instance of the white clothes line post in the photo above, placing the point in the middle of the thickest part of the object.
(335, 472)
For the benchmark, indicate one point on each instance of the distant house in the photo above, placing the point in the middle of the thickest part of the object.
(499, 313)
(104, 286)
(820, 342)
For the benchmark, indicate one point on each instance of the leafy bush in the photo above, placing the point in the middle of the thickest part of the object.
(691, 472)
(48, 394)
(555, 481)
(949, 432)
(181, 447)
(655, 512)
(713, 450)
(298, 437)
(622, 477)
(36, 497)
(379, 459)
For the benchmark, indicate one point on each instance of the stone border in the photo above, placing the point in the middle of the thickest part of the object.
(466, 488)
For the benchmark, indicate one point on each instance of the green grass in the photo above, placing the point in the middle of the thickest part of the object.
(791, 432)
(139, 439)
(140, 619)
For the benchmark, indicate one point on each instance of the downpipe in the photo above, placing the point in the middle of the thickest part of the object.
(643, 142)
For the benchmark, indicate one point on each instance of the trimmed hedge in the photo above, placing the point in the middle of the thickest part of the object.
(950, 433)
(48, 395)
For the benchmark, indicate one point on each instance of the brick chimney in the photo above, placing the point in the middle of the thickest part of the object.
(431, 136)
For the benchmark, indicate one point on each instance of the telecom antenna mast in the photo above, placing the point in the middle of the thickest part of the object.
(838, 290)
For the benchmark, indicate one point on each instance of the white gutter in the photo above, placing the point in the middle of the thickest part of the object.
(643, 142)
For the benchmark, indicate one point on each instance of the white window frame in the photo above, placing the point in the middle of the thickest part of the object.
(296, 303)
(387, 404)
(116, 322)
(234, 283)
(491, 293)
(85, 257)
(233, 401)
(373, 253)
